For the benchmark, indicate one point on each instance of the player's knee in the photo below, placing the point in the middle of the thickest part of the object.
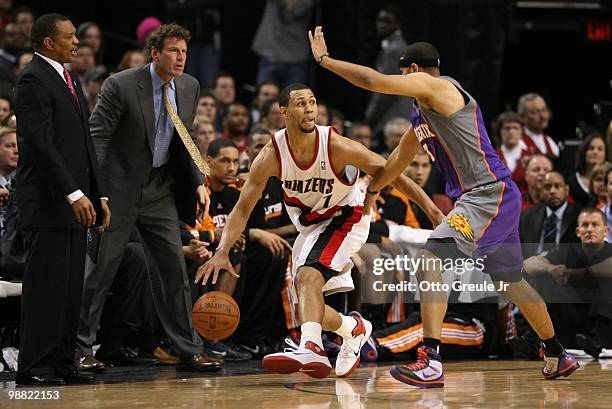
(429, 267)
(308, 276)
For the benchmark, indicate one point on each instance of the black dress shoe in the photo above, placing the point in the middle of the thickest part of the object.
(78, 378)
(90, 364)
(589, 344)
(197, 363)
(125, 357)
(38, 380)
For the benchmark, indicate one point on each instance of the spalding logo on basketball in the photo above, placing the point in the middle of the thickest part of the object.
(215, 315)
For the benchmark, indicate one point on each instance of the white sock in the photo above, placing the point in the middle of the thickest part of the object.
(347, 326)
(311, 331)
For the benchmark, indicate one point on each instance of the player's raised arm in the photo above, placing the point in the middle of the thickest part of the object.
(348, 152)
(421, 85)
(264, 166)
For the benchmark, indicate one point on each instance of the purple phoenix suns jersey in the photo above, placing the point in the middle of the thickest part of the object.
(459, 145)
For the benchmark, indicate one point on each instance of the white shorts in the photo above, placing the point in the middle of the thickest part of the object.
(331, 244)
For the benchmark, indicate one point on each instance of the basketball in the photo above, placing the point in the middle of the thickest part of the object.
(215, 315)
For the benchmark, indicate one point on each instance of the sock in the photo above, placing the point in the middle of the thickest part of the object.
(431, 343)
(311, 331)
(347, 326)
(552, 346)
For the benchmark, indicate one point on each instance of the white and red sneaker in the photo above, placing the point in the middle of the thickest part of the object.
(349, 355)
(309, 359)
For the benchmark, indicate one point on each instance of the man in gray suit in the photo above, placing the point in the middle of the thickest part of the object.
(152, 184)
(382, 108)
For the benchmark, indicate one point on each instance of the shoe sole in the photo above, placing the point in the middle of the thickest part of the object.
(565, 373)
(368, 326)
(284, 365)
(397, 375)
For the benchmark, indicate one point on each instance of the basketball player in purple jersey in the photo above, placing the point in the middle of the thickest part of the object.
(447, 124)
(319, 170)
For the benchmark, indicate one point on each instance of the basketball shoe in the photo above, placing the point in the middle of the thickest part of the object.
(349, 355)
(558, 365)
(309, 359)
(369, 350)
(426, 372)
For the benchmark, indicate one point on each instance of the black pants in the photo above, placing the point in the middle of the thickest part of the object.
(51, 300)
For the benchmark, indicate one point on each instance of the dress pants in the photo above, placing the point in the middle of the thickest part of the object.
(50, 301)
(156, 218)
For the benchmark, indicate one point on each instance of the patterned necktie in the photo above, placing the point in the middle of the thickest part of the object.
(550, 230)
(68, 79)
(195, 154)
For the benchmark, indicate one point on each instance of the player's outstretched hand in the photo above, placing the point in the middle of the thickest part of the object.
(317, 43)
(218, 263)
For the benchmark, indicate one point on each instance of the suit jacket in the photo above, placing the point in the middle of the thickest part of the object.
(123, 129)
(382, 108)
(56, 154)
(532, 224)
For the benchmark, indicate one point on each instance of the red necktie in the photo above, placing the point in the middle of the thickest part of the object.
(70, 85)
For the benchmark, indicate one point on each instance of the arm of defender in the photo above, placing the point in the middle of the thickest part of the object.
(417, 85)
(265, 166)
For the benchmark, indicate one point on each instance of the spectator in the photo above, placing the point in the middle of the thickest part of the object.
(204, 133)
(591, 153)
(361, 133)
(83, 62)
(337, 120)
(24, 19)
(145, 27)
(586, 269)
(13, 40)
(550, 222)
(272, 118)
(266, 91)
(597, 185)
(536, 167)
(6, 109)
(535, 115)
(8, 156)
(207, 105)
(93, 80)
(5, 12)
(280, 42)
(235, 128)
(132, 59)
(394, 129)
(513, 151)
(22, 61)
(90, 33)
(323, 114)
(223, 87)
(382, 108)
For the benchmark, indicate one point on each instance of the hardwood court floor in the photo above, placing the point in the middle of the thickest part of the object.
(471, 384)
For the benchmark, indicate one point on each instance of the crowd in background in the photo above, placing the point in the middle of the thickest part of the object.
(229, 133)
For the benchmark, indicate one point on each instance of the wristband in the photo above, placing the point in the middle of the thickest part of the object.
(320, 59)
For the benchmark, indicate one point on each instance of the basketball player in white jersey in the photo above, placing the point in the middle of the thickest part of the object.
(319, 170)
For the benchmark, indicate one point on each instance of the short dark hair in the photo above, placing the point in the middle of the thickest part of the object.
(265, 109)
(207, 93)
(285, 94)
(423, 54)
(234, 104)
(395, 11)
(594, 210)
(581, 164)
(215, 146)
(258, 130)
(45, 26)
(221, 74)
(22, 9)
(157, 36)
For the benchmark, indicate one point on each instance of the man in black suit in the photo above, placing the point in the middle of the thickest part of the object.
(552, 221)
(152, 183)
(57, 175)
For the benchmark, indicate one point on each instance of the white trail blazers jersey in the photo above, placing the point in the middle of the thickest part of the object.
(315, 193)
